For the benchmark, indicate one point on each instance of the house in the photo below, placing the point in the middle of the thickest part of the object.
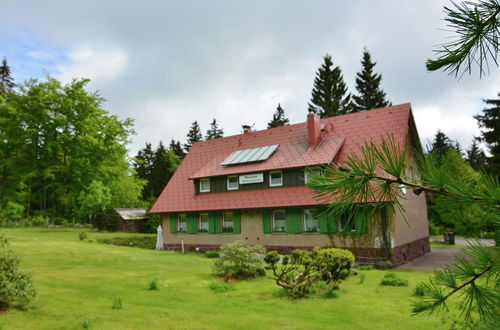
(251, 187)
(131, 220)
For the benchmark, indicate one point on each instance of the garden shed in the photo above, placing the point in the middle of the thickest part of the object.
(131, 220)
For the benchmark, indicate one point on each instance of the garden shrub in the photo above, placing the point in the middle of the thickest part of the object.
(117, 302)
(212, 254)
(302, 268)
(144, 242)
(240, 260)
(419, 290)
(38, 221)
(384, 264)
(153, 285)
(16, 287)
(221, 286)
(392, 279)
(82, 235)
(13, 211)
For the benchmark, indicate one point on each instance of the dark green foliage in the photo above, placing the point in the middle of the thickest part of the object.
(476, 157)
(150, 225)
(82, 235)
(156, 168)
(16, 286)
(279, 118)
(117, 302)
(240, 260)
(301, 269)
(221, 286)
(212, 254)
(13, 211)
(393, 279)
(419, 290)
(368, 86)
(57, 140)
(489, 121)
(329, 95)
(194, 135)
(6, 80)
(214, 131)
(176, 147)
(153, 285)
(144, 242)
(440, 146)
(477, 28)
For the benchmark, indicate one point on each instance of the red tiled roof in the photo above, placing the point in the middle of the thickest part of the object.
(340, 137)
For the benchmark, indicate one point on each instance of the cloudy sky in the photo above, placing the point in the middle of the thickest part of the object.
(167, 63)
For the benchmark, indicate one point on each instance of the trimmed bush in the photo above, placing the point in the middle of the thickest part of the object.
(212, 254)
(420, 290)
(82, 235)
(301, 269)
(384, 264)
(392, 279)
(144, 242)
(153, 285)
(240, 260)
(16, 287)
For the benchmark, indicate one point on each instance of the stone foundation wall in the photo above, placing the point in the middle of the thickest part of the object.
(366, 256)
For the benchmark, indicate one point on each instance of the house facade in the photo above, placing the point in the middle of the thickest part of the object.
(252, 187)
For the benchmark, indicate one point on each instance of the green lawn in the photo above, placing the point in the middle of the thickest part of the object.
(77, 282)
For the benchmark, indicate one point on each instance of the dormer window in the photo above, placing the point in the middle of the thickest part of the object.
(204, 185)
(309, 173)
(275, 179)
(232, 182)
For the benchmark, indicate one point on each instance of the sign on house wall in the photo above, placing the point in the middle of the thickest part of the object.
(251, 178)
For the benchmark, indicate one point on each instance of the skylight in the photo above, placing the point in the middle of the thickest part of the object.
(250, 155)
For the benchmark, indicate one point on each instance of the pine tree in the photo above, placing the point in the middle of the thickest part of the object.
(214, 131)
(176, 147)
(6, 80)
(193, 136)
(368, 86)
(490, 122)
(279, 118)
(329, 95)
(476, 157)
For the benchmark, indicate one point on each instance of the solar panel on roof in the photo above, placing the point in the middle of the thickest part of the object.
(250, 155)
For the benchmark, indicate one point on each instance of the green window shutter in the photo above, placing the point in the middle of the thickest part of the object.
(173, 224)
(332, 224)
(294, 221)
(191, 223)
(211, 223)
(361, 222)
(266, 221)
(217, 222)
(324, 222)
(237, 222)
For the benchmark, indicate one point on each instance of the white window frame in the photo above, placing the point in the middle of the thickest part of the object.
(307, 230)
(273, 224)
(184, 216)
(202, 230)
(201, 185)
(354, 228)
(223, 224)
(308, 172)
(237, 182)
(271, 180)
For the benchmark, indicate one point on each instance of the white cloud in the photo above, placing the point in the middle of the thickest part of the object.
(99, 65)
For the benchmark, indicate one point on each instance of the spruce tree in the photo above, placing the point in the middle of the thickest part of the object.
(279, 118)
(165, 163)
(6, 80)
(214, 131)
(176, 147)
(476, 157)
(440, 146)
(368, 86)
(329, 95)
(489, 121)
(193, 136)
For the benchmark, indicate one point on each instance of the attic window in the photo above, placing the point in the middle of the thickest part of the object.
(205, 185)
(250, 155)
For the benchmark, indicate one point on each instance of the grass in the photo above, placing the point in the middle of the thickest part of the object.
(79, 281)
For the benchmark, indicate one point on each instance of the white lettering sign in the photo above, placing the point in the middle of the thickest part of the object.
(251, 178)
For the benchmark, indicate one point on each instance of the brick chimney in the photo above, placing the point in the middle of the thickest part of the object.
(246, 129)
(313, 128)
